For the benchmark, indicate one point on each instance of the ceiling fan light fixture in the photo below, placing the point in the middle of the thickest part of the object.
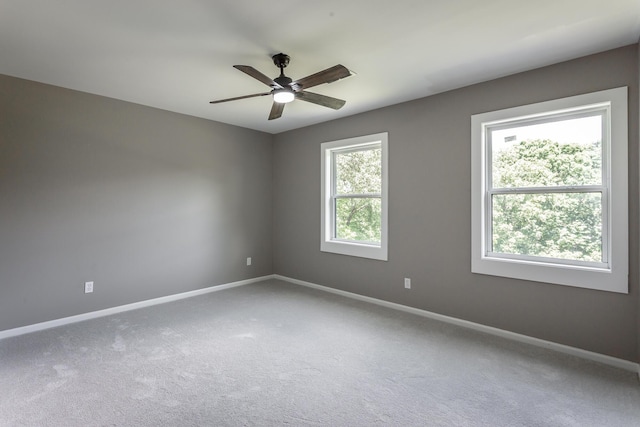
(284, 90)
(283, 96)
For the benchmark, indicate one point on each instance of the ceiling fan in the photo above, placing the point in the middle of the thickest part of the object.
(285, 90)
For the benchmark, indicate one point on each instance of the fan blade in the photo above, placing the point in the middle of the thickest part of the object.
(240, 97)
(276, 110)
(257, 75)
(329, 75)
(325, 101)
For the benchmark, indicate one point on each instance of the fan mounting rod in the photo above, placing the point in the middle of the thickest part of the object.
(281, 60)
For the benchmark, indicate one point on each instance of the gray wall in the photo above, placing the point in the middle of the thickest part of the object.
(144, 202)
(429, 212)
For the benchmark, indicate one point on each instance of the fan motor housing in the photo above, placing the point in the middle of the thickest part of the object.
(283, 81)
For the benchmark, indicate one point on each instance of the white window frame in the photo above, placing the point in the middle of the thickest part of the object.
(612, 274)
(328, 243)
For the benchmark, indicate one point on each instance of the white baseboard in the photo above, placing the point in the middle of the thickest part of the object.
(584, 354)
(127, 307)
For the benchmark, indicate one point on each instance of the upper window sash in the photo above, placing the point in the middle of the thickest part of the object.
(334, 172)
(603, 111)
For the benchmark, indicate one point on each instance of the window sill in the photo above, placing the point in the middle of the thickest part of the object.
(354, 249)
(603, 279)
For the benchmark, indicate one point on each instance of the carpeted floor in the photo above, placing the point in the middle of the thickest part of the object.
(273, 353)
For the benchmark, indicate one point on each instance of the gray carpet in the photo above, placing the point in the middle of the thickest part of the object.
(273, 353)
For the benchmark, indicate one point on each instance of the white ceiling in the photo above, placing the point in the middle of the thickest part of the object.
(178, 55)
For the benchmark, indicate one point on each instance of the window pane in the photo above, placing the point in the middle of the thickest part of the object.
(359, 172)
(554, 153)
(358, 219)
(556, 225)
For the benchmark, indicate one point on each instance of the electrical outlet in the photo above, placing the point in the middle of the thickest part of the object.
(88, 287)
(407, 283)
(248, 260)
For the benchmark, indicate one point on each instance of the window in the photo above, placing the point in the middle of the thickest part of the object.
(549, 192)
(354, 196)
